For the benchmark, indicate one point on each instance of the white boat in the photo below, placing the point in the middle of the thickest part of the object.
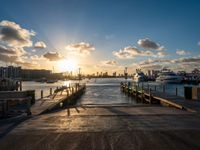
(168, 76)
(139, 77)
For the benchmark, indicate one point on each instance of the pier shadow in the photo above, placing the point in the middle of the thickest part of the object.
(7, 125)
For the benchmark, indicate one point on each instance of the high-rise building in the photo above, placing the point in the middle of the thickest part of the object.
(10, 72)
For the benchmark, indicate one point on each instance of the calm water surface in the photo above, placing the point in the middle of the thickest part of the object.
(101, 90)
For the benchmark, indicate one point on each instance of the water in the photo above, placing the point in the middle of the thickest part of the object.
(105, 91)
(38, 86)
(102, 90)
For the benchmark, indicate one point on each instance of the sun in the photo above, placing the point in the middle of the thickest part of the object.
(67, 65)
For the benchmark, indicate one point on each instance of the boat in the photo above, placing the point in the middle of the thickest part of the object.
(168, 76)
(139, 76)
(51, 81)
(8, 84)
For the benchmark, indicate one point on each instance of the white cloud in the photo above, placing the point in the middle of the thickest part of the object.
(148, 44)
(161, 54)
(81, 48)
(109, 63)
(52, 56)
(14, 35)
(198, 43)
(182, 52)
(131, 52)
(7, 51)
(40, 45)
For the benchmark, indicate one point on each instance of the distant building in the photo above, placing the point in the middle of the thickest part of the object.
(114, 74)
(10, 72)
(105, 74)
(149, 73)
(35, 73)
(155, 73)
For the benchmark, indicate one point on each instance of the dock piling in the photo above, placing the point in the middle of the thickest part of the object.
(50, 92)
(41, 94)
(20, 85)
(150, 98)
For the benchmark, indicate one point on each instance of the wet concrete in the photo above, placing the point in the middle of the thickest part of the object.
(85, 128)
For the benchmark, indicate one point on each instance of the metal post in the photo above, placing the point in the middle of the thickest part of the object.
(155, 87)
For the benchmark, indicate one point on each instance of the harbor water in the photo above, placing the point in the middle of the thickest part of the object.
(101, 90)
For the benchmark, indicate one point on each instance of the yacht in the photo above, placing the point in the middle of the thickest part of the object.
(139, 76)
(168, 76)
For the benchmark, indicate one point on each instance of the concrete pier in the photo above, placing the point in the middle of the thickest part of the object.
(109, 127)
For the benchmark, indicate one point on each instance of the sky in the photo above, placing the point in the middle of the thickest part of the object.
(100, 36)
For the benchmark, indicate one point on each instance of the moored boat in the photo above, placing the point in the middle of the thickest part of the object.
(168, 76)
(139, 76)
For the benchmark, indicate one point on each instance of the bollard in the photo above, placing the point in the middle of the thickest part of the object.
(50, 92)
(176, 91)
(41, 94)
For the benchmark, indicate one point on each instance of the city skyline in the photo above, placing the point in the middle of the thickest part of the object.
(102, 36)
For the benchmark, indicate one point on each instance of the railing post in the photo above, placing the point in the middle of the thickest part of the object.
(136, 92)
(155, 87)
(142, 96)
(150, 98)
(176, 91)
(72, 90)
(163, 88)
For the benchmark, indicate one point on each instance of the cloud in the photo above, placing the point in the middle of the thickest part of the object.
(40, 45)
(14, 35)
(81, 48)
(148, 44)
(198, 43)
(188, 63)
(161, 54)
(182, 52)
(5, 50)
(15, 60)
(109, 63)
(131, 52)
(52, 56)
(8, 58)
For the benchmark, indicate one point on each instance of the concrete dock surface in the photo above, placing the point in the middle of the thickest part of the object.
(108, 128)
